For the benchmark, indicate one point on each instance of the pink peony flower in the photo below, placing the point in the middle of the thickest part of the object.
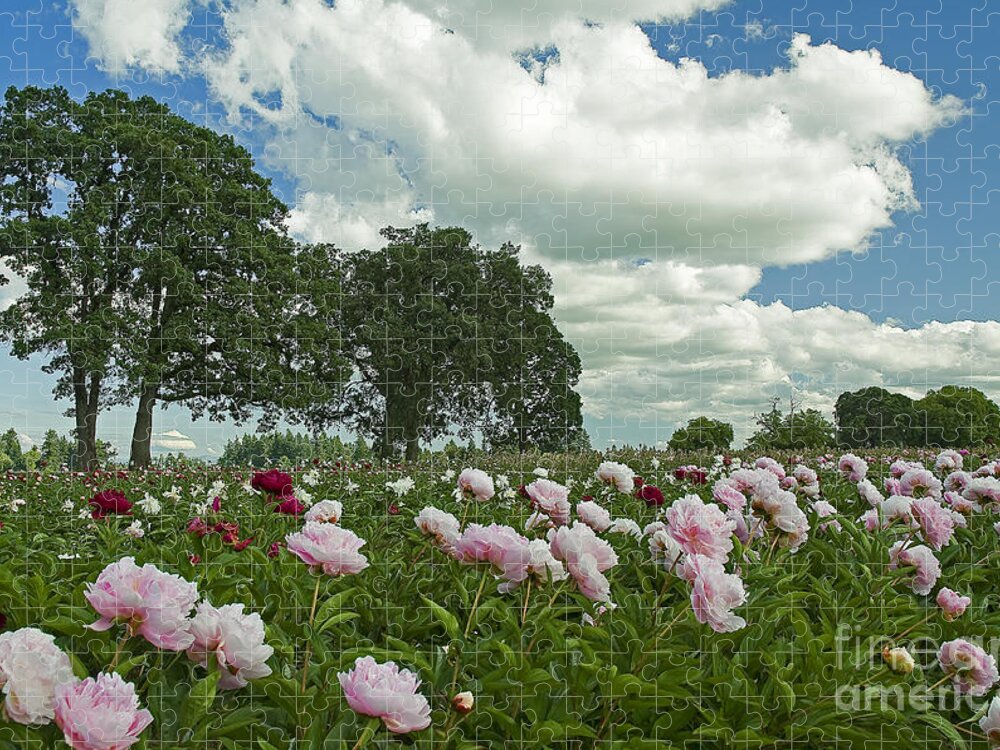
(784, 515)
(714, 593)
(31, 666)
(700, 529)
(957, 481)
(952, 604)
(442, 527)
(273, 482)
(587, 558)
(551, 498)
(897, 508)
(726, 493)
(928, 569)
(893, 486)
(960, 505)
(234, 640)
(869, 492)
(870, 520)
(542, 565)
(463, 702)
(853, 467)
(476, 484)
(973, 670)
(983, 490)
(332, 548)
(805, 476)
(621, 476)
(920, 482)
(148, 601)
(900, 467)
(386, 692)
(769, 464)
(594, 515)
(936, 522)
(101, 714)
(325, 511)
(949, 460)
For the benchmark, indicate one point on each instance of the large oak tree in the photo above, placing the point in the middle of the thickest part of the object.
(445, 336)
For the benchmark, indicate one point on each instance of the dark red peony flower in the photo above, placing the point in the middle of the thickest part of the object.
(637, 481)
(110, 502)
(272, 482)
(650, 494)
(275, 549)
(289, 505)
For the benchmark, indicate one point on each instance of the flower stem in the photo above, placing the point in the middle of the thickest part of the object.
(312, 615)
(369, 731)
(524, 609)
(118, 649)
(912, 628)
(940, 682)
(475, 604)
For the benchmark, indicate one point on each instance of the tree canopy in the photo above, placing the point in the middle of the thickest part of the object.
(446, 335)
(156, 264)
(702, 434)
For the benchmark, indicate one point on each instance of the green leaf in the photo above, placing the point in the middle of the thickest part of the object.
(444, 617)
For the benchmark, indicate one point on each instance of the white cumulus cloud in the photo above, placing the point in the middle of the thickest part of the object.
(653, 191)
(173, 440)
(127, 34)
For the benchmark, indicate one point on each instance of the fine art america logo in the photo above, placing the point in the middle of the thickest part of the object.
(949, 672)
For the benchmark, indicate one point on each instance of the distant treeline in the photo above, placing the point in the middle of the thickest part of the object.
(55, 451)
(952, 416)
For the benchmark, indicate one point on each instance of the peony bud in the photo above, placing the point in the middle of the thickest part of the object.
(898, 659)
(463, 702)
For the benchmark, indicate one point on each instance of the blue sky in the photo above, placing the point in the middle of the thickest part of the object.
(936, 262)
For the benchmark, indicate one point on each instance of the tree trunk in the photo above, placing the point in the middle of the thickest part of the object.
(86, 399)
(411, 429)
(142, 433)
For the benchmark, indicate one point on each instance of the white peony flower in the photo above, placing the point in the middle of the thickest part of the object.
(31, 665)
(236, 641)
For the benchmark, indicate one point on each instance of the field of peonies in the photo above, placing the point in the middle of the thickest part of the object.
(635, 600)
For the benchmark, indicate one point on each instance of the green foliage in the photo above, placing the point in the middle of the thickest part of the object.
(11, 447)
(952, 416)
(56, 450)
(702, 434)
(873, 417)
(806, 671)
(955, 416)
